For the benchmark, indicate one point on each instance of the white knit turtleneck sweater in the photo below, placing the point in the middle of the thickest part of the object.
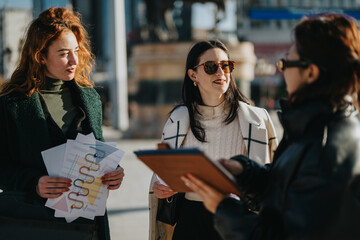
(222, 140)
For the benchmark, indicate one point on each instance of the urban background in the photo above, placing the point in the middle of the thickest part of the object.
(140, 48)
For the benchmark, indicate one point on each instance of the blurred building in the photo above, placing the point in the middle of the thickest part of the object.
(13, 24)
(268, 24)
(159, 33)
(41, 5)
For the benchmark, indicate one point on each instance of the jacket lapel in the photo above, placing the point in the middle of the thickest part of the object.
(252, 127)
(176, 127)
(90, 102)
(254, 133)
(30, 121)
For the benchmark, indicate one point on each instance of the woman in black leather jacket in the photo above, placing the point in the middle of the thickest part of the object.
(312, 188)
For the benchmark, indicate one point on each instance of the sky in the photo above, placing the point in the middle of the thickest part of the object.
(16, 3)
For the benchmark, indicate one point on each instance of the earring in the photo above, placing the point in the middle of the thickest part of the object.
(195, 84)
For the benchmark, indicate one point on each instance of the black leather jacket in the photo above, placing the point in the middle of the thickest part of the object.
(312, 188)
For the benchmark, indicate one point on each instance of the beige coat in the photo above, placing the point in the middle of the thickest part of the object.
(258, 134)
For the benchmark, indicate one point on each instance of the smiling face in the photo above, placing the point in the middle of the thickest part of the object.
(62, 57)
(212, 87)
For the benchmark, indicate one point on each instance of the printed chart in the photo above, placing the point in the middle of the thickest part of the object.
(84, 160)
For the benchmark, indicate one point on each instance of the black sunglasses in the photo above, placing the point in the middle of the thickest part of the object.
(211, 67)
(282, 64)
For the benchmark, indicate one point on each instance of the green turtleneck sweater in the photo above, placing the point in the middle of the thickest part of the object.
(57, 96)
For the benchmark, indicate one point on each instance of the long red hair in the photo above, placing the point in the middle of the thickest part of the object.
(30, 73)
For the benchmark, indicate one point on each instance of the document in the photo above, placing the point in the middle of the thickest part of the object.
(84, 160)
(170, 164)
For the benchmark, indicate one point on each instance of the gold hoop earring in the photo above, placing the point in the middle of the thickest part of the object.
(195, 84)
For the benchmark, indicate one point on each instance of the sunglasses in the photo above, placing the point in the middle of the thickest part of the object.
(211, 67)
(282, 64)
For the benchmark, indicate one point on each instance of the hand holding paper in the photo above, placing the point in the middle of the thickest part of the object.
(52, 187)
(89, 164)
(113, 179)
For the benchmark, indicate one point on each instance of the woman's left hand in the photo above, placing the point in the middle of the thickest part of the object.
(210, 196)
(113, 179)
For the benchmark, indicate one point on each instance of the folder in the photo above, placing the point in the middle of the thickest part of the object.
(171, 164)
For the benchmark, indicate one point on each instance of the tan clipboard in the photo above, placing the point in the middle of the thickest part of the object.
(171, 164)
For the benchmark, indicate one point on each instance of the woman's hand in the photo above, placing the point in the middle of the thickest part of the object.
(113, 179)
(162, 191)
(234, 167)
(52, 187)
(210, 196)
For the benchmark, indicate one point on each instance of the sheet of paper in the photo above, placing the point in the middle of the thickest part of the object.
(84, 160)
(54, 159)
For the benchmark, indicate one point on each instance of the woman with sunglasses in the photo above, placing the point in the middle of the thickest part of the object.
(218, 119)
(49, 99)
(312, 188)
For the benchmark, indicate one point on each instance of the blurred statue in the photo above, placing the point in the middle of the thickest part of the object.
(160, 23)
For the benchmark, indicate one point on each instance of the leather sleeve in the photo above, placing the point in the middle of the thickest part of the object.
(252, 182)
(232, 220)
(323, 199)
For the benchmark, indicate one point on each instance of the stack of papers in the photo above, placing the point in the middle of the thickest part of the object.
(84, 160)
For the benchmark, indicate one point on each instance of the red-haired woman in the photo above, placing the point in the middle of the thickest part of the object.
(48, 100)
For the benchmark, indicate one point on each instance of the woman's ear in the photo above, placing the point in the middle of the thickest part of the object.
(192, 74)
(42, 59)
(312, 73)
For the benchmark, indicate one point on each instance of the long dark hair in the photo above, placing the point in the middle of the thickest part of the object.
(332, 42)
(43, 31)
(191, 95)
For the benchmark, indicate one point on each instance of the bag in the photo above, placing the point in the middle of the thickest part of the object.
(169, 208)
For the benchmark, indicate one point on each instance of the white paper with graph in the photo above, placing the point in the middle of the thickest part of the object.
(84, 160)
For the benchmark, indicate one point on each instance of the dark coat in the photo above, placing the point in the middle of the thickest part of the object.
(311, 190)
(24, 133)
